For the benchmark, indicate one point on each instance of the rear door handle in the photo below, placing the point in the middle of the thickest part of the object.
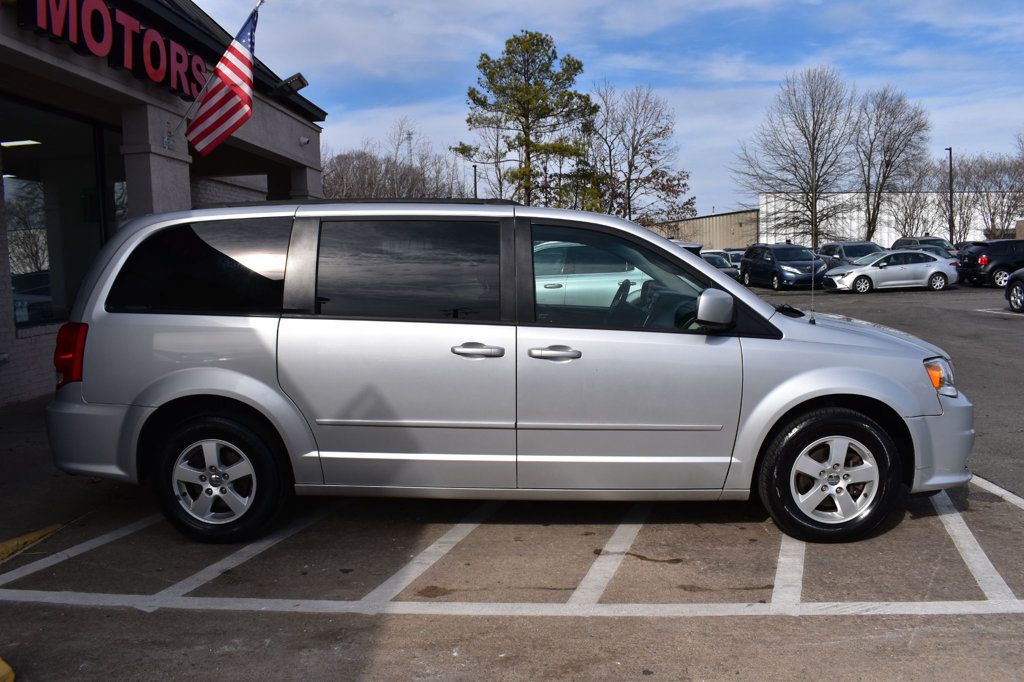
(472, 349)
(555, 353)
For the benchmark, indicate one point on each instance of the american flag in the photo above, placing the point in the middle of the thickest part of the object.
(227, 102)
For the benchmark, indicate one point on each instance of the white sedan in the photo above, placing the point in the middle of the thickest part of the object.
(893, 269)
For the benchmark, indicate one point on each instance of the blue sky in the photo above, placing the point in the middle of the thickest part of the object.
(718, 63)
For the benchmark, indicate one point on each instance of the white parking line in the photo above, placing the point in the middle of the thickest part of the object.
(991, 487)
(1000, 311)
(603, 569)
(213, 571)
(986, 575)
(394, 585)
(789, 576)
(310, 606)
(81, 548)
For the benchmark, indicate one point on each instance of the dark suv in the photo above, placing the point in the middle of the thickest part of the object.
(844, 253)
(911, 242)
(991, 262)
(781, 266)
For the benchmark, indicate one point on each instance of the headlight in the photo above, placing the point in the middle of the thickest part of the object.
(940, 372)
(789, 269)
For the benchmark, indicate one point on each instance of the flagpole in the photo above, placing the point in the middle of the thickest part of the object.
(169, 137)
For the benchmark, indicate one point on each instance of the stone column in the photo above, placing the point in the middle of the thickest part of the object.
(157, 177)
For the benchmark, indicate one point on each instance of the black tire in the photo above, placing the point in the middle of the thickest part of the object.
(776, 284)
(862, 285)
(938, 282)
(1002, 274)
(1017, 297)
(774, 477)
(270, 479)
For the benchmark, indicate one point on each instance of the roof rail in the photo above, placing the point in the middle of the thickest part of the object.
(320, 202)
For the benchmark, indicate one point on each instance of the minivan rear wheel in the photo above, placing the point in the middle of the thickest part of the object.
(832, 475)
(220, 480)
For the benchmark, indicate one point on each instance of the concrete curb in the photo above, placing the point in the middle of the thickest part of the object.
(9, 548)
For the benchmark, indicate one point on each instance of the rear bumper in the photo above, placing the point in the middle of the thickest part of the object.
(942, 444)
(93, 439)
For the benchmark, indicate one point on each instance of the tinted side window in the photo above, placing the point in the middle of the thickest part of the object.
(589, 260)
(1018, 249)
(409, 270)
(228, 267)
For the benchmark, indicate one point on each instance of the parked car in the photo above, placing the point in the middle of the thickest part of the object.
(1015, 291)
(991, 262)
(936, 251)
(895, 269)
(232, 357)
(689, 246)
(781, 266)
(718, 261)
(735, 255)
(960, 246)
(843, 253)
(912, 242)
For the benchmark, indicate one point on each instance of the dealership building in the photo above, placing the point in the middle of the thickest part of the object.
(92, 93)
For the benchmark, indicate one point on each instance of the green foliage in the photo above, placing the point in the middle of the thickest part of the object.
(527, 94)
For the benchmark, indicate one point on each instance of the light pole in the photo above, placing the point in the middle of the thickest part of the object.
(952, 237)
(474, 182)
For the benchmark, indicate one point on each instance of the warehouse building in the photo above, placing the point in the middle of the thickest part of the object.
(91, 96)
(716, 231)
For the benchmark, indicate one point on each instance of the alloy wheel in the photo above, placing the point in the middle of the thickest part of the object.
(214, 481)
(1017, 297)
(834, 480)
(1001, 278)
(937, 282)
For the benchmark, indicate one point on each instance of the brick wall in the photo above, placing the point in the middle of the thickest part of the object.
(228, 190)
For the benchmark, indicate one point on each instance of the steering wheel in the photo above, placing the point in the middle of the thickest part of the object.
(619, 299)
(685, 318)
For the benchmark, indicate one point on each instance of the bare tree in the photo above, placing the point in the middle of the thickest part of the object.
(633, 157)
(998, 184)
(24, 216)
(890, 136)
(403, 166)
(965, 196)
(800, 152)
(911, 205)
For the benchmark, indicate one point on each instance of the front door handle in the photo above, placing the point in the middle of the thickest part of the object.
(555, 353)
(473, 349)
(553, 286)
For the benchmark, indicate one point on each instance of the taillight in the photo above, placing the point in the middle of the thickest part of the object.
(70, 351)
(983, 259)
(953, 264)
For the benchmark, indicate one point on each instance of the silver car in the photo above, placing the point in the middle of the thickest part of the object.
(233, 357)
(893, 269)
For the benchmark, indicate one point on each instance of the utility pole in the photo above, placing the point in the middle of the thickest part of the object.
(474, 182)
(952, 237)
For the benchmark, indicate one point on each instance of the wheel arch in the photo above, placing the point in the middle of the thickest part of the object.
(887, 417)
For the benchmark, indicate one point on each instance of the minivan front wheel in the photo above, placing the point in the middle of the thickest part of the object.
(219, 480)
(832, 475)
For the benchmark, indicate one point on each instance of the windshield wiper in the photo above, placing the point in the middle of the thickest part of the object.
(788, 310)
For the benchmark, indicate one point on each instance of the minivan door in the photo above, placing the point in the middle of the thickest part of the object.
(628, 393)
(405, 365)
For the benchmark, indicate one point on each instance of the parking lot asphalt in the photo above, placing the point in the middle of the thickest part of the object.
(365, 588)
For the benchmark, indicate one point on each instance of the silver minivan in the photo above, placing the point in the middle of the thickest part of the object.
(232, 357)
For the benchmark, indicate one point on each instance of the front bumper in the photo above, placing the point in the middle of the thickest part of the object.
(942, 444)
(791, 281)
(93, 439)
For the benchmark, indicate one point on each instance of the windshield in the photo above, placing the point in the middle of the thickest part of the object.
(868, 259)
(716, 260)
(792, 253)
(861, 250)
(938, 242)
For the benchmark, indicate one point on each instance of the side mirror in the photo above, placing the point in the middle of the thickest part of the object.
(880, 265)
(715, 310)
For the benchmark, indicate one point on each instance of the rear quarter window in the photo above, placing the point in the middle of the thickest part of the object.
(221, 267)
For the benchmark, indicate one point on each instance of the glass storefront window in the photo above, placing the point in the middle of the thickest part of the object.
(56, 208)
